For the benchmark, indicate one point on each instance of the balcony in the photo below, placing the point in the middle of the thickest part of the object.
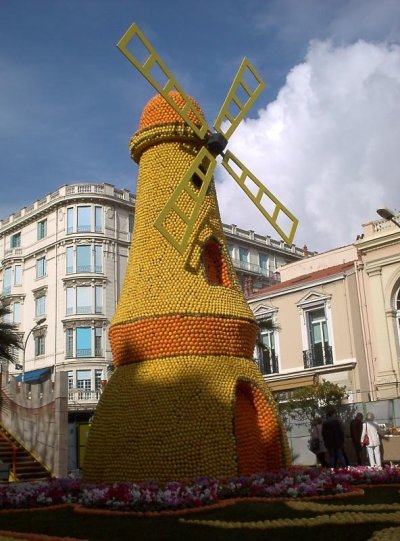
(268, 363)
(83, 396)
(83, 269)
(84, 353)
(318, 355)
(256, 269)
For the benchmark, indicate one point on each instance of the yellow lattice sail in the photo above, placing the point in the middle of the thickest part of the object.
(186, 398)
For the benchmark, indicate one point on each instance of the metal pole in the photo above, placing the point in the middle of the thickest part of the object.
(26, 341)
(23, 354)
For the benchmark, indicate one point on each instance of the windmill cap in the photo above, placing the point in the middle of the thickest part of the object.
(158, 111)
(160, 122)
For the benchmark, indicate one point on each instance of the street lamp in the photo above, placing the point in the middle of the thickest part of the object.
(388, 214)
(38, 322)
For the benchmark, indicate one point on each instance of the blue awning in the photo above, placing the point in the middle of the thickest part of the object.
(35, 376)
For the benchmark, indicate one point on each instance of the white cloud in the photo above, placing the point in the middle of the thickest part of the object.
(327, 147)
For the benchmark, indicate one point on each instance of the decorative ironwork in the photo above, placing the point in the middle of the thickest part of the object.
(318, 355)
(268, 363)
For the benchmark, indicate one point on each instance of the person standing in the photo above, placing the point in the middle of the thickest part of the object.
(373, 446)
(316, 436)
(333, 436)
(356, 427)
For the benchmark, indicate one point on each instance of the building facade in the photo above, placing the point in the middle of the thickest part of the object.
(336, 316)
(62, 265)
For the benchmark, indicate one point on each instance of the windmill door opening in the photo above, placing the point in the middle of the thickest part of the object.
(215, 268)
(258, 442)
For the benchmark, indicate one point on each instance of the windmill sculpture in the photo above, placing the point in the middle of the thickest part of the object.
(186, 398)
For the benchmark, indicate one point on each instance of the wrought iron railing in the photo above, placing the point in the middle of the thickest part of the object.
(318, 355)
(268, 363)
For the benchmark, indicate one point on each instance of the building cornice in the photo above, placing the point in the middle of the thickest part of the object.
(300, 287)
(65, 195)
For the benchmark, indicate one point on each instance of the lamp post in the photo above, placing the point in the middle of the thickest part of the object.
(39, 322)
(388, 214)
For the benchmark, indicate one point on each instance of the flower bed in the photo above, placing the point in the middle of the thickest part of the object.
(152, 497)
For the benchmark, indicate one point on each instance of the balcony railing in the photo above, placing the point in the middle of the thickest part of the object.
(70, 311)
(80, 352)
(84, 310)
(98, 352)
(83, 395)
(318, 355)
(268, 363)
(256, 269)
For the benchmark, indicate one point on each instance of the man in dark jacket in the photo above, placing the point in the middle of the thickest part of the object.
(333, 436)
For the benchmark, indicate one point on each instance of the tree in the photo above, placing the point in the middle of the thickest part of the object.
(306, 403)
(9, 336)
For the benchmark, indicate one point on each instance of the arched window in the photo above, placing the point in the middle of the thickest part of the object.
(397, 308)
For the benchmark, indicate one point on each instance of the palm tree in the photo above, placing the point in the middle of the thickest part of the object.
(9, 336)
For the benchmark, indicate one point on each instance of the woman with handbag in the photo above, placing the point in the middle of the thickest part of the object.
(370, 440)
(317, 442)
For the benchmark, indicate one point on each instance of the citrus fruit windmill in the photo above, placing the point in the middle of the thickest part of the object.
(186, 398)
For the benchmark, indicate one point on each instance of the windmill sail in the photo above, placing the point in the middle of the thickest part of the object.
(175, 223)
(240, 98)
(260, 195)
(153, 66)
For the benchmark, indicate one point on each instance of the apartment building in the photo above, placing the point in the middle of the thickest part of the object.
(62, 264)
(337, 317)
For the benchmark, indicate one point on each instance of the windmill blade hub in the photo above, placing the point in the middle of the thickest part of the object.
(216, 143)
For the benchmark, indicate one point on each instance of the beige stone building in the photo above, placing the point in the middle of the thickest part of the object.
(338, 315)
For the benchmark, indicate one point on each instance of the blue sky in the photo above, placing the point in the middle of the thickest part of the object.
(69, 100)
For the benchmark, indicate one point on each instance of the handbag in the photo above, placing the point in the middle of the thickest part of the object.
(314, 445)
(365, 441)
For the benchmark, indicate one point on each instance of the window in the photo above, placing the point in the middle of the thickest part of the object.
(98, 342)
(69, 301)
(130, 223)
(83, 342)
(17, 312)
(69, 260)
(268, 359)
(39, 345)
(83, 384)
(397, 308)
(69, 343)
(15, 240)
(70, 220)
(98, 219)
(41, 267)
(98, 258)
(263, 259)
(40, 305)
(320, 350)
(7, 281)
(83, 219)
(243, 258)
(70, 385)
(18, 275)
(84, 300)
(98, 377)
(41, 229)
(83, 257)
(98, 303)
